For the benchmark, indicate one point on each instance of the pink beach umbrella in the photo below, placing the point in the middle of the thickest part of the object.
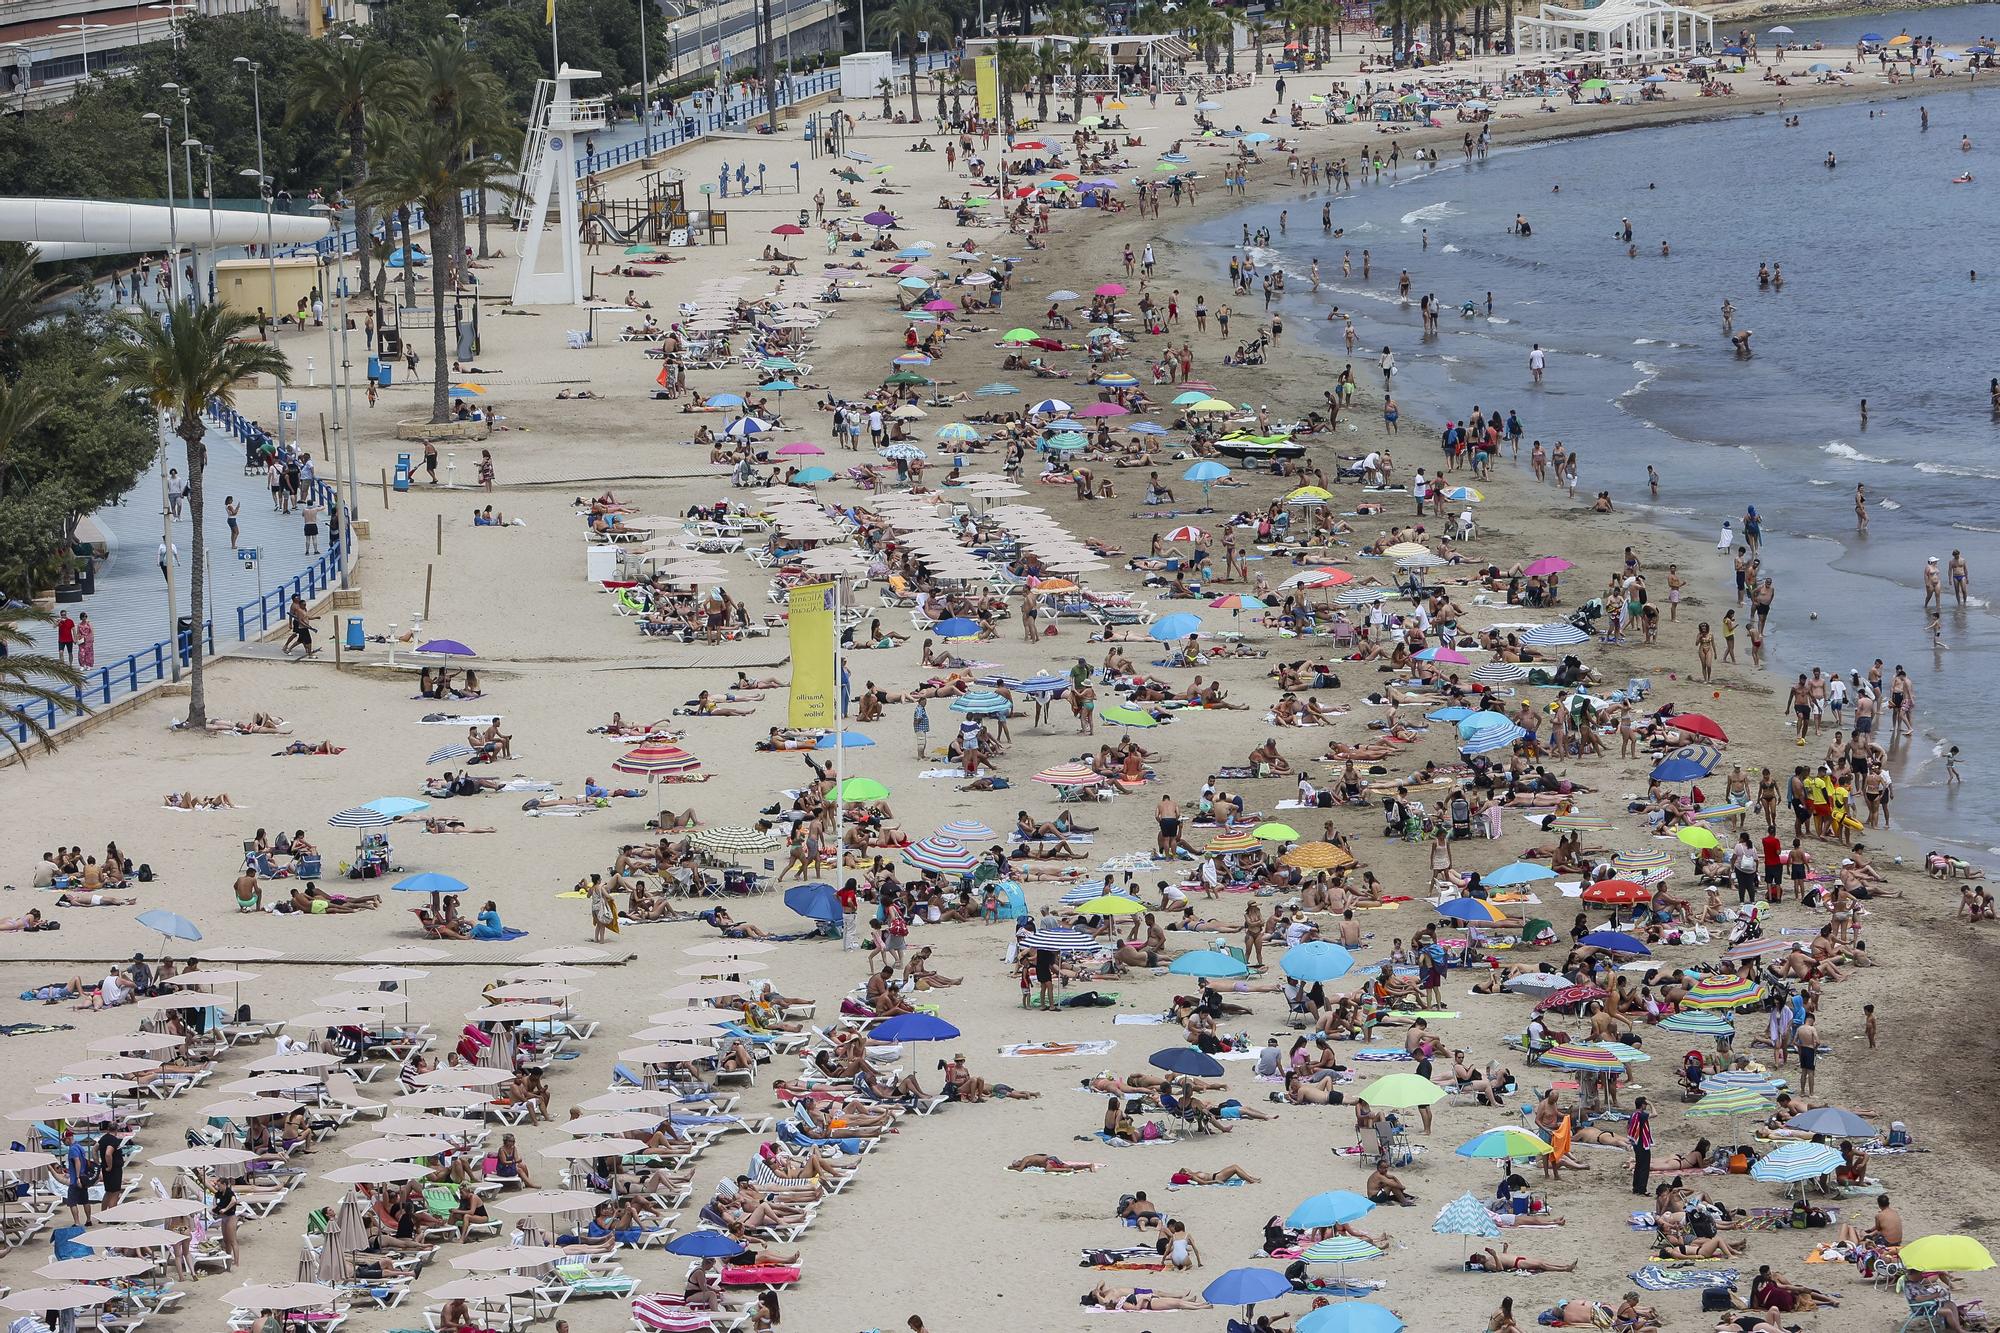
(940, 305)
(1549, 564)
(800, 449)
(1108, 289)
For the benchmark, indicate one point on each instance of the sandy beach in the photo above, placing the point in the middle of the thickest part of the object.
(934, 1213)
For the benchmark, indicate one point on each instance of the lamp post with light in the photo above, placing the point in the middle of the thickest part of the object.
(266, 188)
(83, 31)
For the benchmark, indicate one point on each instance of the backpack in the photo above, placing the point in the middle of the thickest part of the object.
(1717, 1299)
(145, 873)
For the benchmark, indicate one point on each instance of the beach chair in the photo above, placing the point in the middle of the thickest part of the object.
(568, 1280)
(1919, 1314)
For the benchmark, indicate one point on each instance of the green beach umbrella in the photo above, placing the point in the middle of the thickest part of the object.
(863, 789)
(1122, 716)
(1275, 833)
(1018, 336)
(906, 377)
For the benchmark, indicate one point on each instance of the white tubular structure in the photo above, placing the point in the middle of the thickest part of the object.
(78, 228)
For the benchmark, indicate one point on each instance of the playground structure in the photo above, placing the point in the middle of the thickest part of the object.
(657, 218)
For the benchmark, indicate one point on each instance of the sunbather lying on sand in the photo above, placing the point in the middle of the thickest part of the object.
(1055, 1166)
(187, 800)
(1105, 1297)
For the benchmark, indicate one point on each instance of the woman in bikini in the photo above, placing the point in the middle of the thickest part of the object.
(1106, 1297)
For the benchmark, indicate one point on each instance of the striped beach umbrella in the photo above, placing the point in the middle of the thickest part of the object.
(1240, 841)
(1503, 1141)
(449, 753)
(1500, 673)
(1465, 1216)
(1726, 810)
(1082, 893)
(1737, 953)
(1360, 597)
(736, 838)
(1699, 1024)
(964, 830)
(1793, 1162)
(656, 761)
(1717, 992)
(1630, 1055)
(1732, 1102)
(1069, 775)
(361, 816)
(1643, 858)
(1117, 379)
(1317, 856)
(1561, 634)
(1061, 940)
(1764, 1085)
(1341, 1250)
(1489, 739)
(942, 855)
(981, 703)
(1594, 1058)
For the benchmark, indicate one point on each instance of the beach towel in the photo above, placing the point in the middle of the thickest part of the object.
(456, 720)
(1059, 1048)
(1383, 1054)
(1655, 1278)
(1113, 1141)
(1204, 1185)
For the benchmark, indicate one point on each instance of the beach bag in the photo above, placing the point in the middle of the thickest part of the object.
(1801, 1216)
(1739, 1164)
(145, 873)
(1716, 1299)
(1151, 1131)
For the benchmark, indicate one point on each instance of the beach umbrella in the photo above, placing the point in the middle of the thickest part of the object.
(1616, 891)
(878, 218)
(449, 753)
(1019, 336)
(1441, 654)
(815, 902)
(1763, 1084)
(1700, 838)
(736, 838)
(981, 703)
(851, 740)
(1834, 1122)
(1275, 832)
(1500, 673)
(705, 1244)
(1236, 602)
(1489, 739)
(1517, 872)
(1207, 963)
(1569, 997)
(1698, 725)
(1465, 1216)
(1402, 1092)
(656, 760)
(1476, 911)
(1945, 1254)
(170, 925)
(1617, 941)
(131, 1238)
(1316, 960)
(863, 789)
(1120, 715)
(506, 1258)
(1069, 775)
(1061, 940)
(1593, 1058)
(1548, 564)
(1186, 1060)
(1360, 597)
(1723, 992)
(74, 1297)
(941, 855)
(964, 830)
(1535, 983)
(912, 1027)
(1317, 856)
(958, 431)
(1503, 1141)
(1049, 407)
(282, 1296)
(1560, 634)
(1245, 1287)
(1329, 1209)
(1679, 769)
(1240, 840)
(957, 627)
(1110, 904)
(1791, 1163)
(995, 390)
(799, 449)
(1177, 625)
(97, 1268)
(723, 400)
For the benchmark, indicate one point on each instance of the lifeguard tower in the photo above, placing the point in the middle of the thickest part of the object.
(548, 168)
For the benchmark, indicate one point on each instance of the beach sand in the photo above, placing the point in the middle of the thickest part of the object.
(934, 1215)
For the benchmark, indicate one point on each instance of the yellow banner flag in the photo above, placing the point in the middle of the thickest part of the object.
(550, 17)
(814, 701)
(986, 79)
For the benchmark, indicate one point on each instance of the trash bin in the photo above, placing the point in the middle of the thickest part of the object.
(385, 373)
(357, 639)
(184, 638)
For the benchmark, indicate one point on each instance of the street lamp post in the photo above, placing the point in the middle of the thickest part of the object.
(83, 30)
(173, 19)
(166, 125)
(208, 168)
(187, 163)
(265, 188)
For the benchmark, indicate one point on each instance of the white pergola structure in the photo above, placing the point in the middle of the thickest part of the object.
(1623, 27)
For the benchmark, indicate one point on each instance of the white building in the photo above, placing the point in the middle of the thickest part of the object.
(1616, 27)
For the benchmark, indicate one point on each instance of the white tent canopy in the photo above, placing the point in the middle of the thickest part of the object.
(1630, 27)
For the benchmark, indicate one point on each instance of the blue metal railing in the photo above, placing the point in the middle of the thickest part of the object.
(106, 683)
(255, 617)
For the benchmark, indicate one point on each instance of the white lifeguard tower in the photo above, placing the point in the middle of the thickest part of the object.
(548, 168)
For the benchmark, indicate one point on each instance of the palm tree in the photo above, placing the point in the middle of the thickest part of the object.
(1078, 23)
(1016, 65)
(423, 163)
(907, 21)
(462, 96)
(200, 357)
(22, 292)
(29, 678)
(1211, 30)
(886, 91)
(344, 77)
(1047, 63)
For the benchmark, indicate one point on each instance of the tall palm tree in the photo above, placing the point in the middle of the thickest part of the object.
(907, 21)
(181, 366)
(423, 163)
(1047, 63)
(345, 79)
(460, 93)
(1212, 31)
(29, 678)
(1016, 65)
(22, 291)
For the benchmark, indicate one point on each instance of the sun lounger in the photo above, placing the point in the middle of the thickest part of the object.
(569, 1280)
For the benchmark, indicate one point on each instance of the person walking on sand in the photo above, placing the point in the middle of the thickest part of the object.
(1704, 651)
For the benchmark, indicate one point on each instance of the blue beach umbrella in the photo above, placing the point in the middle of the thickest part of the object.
(1617, 941)
(980, 703)
(169, 924)
(1245, 1287)
(995, 390)
(913, 1027)
(1794, 1162)
(1205, 472)
(778, 386)
(1146, 428)
(1316, 960)
(705, 1244)
(430, 882)
(1474, 723)
(1453, 713)
(723, 400)
(1329, 1209)
(958, 627)
(1520, 872)
(815, 902)
(1490, 739)
(397, 806)
(1176, 626)
(1679, 770)
(1187, 1060)
(852, 740)
(807, 476)
(1350, 1317)
(1465, 1216)
(1833, 1120)
(1206, 963)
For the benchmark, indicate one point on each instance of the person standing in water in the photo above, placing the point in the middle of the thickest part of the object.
(1861, 507)
(1961, 577)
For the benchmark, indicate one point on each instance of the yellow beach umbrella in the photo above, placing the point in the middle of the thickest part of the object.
(1946, 1254)
(1317, 856)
